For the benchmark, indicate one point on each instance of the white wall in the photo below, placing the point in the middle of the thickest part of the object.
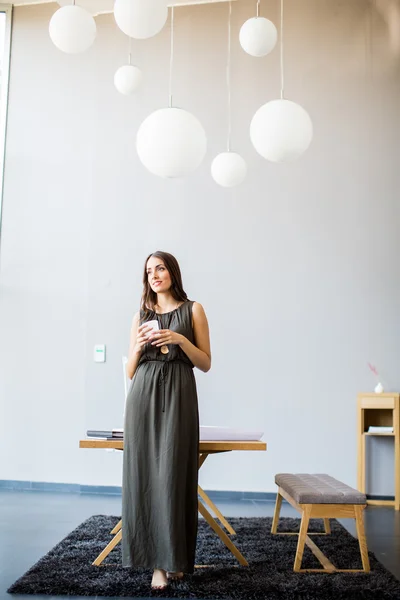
(297, 269)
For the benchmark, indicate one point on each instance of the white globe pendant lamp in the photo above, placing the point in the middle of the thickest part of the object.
(72, 29)
(281, 130)
(141, 19)
(171, 142)
(228, 169)
(128, 78)
(258, 36)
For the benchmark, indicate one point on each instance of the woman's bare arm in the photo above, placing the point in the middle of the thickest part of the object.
(200, 353)
(135, 348)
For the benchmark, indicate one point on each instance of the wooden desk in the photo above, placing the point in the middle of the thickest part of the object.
(379, 410)
(205, 449)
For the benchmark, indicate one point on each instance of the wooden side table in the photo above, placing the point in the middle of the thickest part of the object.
(378, 410)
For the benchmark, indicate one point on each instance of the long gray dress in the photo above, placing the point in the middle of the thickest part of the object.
(160, 468)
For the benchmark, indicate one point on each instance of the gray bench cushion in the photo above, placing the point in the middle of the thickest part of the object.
(318, 489)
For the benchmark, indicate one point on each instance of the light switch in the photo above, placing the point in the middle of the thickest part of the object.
(100, 353)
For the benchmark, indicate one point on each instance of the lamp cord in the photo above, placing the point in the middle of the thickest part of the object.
(228, 79)
(171, 59)
(281, 56)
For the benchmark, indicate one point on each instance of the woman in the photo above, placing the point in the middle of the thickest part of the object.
(161, 431)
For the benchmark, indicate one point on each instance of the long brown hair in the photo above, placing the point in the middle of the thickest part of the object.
(149, 296)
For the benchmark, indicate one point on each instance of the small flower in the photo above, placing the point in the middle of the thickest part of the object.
(373, 369)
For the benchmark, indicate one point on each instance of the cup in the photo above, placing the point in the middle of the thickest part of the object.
(154, 325)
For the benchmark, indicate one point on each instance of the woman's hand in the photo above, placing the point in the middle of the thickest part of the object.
(164, 337)
(142, 337)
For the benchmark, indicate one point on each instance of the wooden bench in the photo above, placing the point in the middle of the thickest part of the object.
(320, 497)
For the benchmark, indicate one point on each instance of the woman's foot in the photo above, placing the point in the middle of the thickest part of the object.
(174, 575)
(159, 581)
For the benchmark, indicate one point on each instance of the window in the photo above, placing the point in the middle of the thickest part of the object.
(5, 47)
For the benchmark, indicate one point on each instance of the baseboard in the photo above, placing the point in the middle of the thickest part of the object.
(39, 486)
(76, 488)
(372, 497)
(67, 488)
(114, 490)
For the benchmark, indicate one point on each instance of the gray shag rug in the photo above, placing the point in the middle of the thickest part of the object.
(67, 568)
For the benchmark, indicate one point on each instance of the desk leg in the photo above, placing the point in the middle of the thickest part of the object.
(116, 528)
(220, 516)
(209, 502)
(111, 545)
(116, 539)
(222, 535)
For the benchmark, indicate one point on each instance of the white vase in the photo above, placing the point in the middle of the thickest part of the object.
(378, 388)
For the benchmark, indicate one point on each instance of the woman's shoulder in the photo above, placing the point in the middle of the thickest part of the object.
(197, 308)
(144, 315)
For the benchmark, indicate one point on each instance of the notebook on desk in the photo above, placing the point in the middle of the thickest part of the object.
(109, 434)
(208, 433)
(212, 433)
